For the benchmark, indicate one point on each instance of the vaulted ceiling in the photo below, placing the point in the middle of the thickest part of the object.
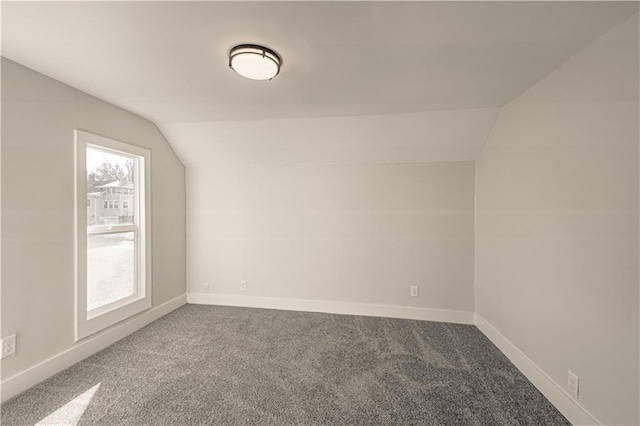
(167, 61)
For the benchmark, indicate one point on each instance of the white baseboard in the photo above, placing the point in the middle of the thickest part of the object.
(30, 377)
(333, 307)
(568, 406)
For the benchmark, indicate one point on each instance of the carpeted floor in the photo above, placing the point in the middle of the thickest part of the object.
(225, 365)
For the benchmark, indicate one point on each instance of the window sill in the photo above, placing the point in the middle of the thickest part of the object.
(93, 324)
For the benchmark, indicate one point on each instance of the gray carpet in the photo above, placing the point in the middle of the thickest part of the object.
(224, 365)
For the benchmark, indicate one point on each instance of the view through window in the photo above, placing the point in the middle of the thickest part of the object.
(111, 257)
(113, 246)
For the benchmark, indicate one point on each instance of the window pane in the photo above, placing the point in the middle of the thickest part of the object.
(110, 268)
(110, 181)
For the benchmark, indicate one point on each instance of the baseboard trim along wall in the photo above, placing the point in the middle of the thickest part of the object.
(333, 307)
(568, 406)
(30, 377)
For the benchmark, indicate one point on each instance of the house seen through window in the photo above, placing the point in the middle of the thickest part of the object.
(113, 247)
(110, 256)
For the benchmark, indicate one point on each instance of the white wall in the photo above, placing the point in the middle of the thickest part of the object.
(350, 232)
(39, 116)
(557, 225)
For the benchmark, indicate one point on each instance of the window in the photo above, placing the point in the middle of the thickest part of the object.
(125, 204)
(88, 202)
(113, 253)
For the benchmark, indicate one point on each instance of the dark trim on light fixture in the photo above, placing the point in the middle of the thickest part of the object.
(255, 49)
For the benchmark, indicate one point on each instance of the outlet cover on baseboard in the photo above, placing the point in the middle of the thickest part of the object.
(414, 291)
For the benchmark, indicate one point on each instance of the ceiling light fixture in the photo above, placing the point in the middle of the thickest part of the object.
(254, 62)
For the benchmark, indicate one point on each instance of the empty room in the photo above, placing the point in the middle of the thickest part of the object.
(320, 213)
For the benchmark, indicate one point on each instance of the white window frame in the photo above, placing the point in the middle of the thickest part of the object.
(88, 323)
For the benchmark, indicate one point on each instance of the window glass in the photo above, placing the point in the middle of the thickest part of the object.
(110, 268)
(110, 174)
(113, 266)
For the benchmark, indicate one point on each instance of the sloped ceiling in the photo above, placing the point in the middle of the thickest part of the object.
(456, 135)
(400, 63)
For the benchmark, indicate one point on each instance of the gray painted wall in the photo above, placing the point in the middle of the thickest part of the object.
(557, 225)
(39, 115)
(359, 233)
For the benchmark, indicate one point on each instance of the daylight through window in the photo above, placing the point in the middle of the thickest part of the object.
(112, 240)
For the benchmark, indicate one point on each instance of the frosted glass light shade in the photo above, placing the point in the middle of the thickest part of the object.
(254, 62)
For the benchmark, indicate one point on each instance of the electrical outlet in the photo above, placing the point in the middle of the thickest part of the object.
(206, 287)
(414, 291)
(8, 346)
(573, 383)
(243, 285)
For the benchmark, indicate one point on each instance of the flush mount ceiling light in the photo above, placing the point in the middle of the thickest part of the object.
(254, 62)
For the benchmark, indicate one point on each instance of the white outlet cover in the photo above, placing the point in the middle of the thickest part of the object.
(573, 384)
(243, 285)
(8, 346)
(414, 291)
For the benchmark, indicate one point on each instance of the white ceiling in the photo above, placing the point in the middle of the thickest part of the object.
(167, 61)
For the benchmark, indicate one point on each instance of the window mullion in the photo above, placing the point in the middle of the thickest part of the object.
(114, 229)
